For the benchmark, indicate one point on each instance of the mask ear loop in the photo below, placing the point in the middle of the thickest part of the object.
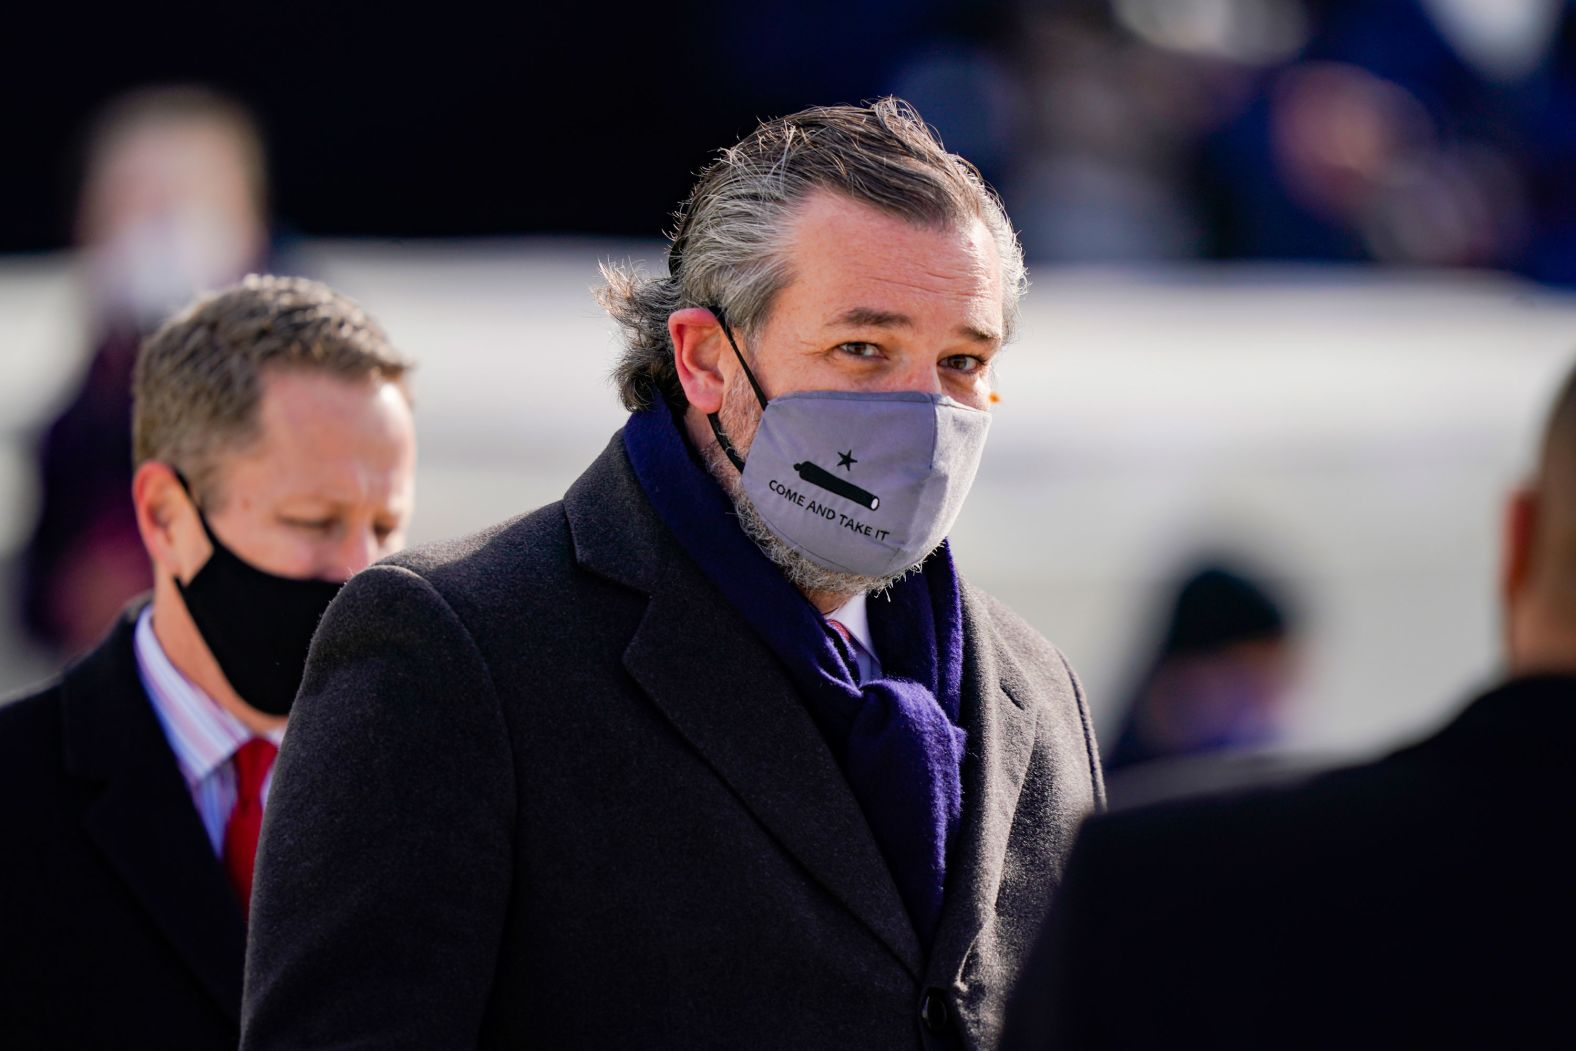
(760, 395)
(191, 495)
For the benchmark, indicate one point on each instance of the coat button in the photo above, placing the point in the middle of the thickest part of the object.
(933, 1011)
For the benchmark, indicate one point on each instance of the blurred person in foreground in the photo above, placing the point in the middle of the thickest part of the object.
(275, 456)
(719, 750)
(173, 203)
(1421, 900)
(1213, 698)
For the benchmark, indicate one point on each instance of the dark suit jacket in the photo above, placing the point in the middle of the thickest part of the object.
(117, 925)
(1425, 900)
(544, 787)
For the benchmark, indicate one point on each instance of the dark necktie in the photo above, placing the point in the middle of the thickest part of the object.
(252, 762)
(853, 646)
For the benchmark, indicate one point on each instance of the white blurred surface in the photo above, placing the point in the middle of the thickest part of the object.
(1351, 432)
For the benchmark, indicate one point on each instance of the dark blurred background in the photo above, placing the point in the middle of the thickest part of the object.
(465, 119)
(1437, 132)
(1301, 271)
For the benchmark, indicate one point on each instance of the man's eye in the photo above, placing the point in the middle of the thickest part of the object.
(319, 525)
(860, 350)
(965, 363)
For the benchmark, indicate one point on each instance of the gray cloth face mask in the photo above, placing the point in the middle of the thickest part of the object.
(864, 483)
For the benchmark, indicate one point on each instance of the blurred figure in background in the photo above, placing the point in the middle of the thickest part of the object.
(1219, 684)
(1422, 900)
(1116, 115)
(1421, 132)
(173, 202)
(275, 457)
(1414, 132)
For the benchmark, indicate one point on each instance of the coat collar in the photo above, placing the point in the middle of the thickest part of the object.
(142, 818)
(740, 712)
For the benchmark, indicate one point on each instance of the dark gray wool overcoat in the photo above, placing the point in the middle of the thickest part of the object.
(543, 787)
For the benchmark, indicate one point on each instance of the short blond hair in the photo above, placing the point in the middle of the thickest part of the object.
(198, 378)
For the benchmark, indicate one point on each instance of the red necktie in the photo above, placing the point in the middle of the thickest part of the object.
(252, 762)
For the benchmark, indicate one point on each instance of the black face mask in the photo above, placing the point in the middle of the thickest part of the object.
(257, 625)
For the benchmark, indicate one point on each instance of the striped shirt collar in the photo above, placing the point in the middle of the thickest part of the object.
(201, 733)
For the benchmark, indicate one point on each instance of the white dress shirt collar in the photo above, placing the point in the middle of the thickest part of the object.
(854, 616)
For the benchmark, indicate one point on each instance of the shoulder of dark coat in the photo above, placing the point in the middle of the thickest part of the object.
(30, 732)
(531, 554)
(1008, 626)
(1315, 821)
(1027, 657)
(28, 705)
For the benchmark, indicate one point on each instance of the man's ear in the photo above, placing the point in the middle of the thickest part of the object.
(1520, 535)
(698, 344)
(164, 516)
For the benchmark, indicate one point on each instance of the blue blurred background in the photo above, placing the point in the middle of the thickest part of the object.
(1301, 287)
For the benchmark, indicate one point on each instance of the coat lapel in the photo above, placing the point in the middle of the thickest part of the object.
(143, 819)
(1000, 745)
(739, 711)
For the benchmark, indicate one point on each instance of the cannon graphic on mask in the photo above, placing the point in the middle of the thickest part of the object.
(817, 475)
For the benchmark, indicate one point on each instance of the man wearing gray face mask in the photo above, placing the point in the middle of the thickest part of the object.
(719, 750)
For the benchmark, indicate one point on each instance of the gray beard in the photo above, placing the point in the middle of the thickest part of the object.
(740, 416)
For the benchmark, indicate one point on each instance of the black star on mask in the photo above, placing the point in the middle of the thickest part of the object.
(847, 460)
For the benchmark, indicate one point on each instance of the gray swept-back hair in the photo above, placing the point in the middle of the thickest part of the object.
(729, 245)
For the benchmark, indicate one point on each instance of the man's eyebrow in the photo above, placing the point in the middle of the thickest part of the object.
(873, 318)
(979, 335)
(334, 503)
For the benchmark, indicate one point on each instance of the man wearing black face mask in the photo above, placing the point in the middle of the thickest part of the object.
(720, 751)
(275, 454)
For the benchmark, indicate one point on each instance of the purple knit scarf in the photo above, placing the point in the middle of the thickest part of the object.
(896, 737)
